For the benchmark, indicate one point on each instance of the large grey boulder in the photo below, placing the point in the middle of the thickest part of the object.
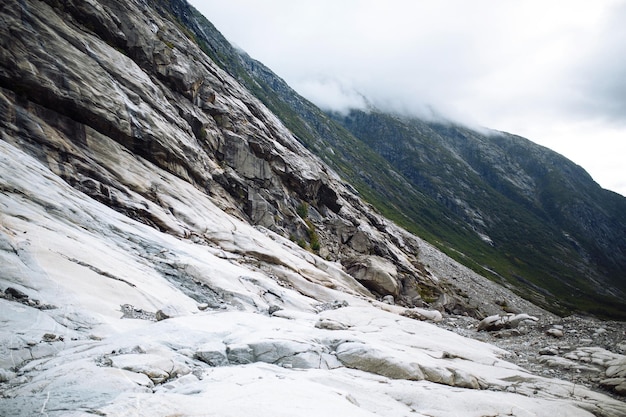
(376, 274)
(370, 359)
(213, 354)
(508, 321)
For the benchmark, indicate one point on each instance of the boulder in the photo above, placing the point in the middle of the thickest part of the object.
(616, 369)
(330, 324)
(555, 332)
(278, 351)
(240, 354)
(499, 322)
(369, 359)
(156, 367)
(422, 314)
(15, 293)
(168, 312)
(6, 376)
(491, 323)
(376, 274)
(213, 354)
(388, 299)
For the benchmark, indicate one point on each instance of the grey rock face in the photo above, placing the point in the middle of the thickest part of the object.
(121, 82)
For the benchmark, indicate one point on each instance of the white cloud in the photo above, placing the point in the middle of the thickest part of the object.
(528, 67)
(330, 94)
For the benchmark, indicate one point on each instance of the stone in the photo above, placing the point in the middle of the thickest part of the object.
(515, 320)
(362, 357)
(240, 354)
(504, 333)
(213, 354)
(330, 324)
(6, 376)
(168, 312)
(617, 385)
(360, 242)
(616, 368)
(273, 309)
(490, 323)
(422, 314)
(376, 274)
(548, 351)
(554, 332)
(15, 293)
(131, 312)
(388, 299)
(509, 321)
(277, 351)
(49, 337)
(332, 305)
(511, 309)
(156, 367)
(599, 332)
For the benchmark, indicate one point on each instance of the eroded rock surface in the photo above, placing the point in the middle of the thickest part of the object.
(156, 257)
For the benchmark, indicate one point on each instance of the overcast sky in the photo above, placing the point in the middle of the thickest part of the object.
(551, 71)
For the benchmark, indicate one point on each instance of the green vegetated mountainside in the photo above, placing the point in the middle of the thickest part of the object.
(510, 209)
(544, 222)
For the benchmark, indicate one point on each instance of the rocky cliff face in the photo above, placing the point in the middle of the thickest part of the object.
(168, 247)
(107, 86)
(512, 210)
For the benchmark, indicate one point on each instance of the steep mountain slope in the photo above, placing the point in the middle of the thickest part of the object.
(546, 220)
(562, 247)
(146, 203)
(144, 88)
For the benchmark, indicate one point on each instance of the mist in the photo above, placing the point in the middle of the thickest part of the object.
(552, 73)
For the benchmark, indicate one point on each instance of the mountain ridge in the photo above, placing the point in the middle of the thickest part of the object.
(553, 199)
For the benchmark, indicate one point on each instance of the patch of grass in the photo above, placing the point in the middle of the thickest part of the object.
(303, 210)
